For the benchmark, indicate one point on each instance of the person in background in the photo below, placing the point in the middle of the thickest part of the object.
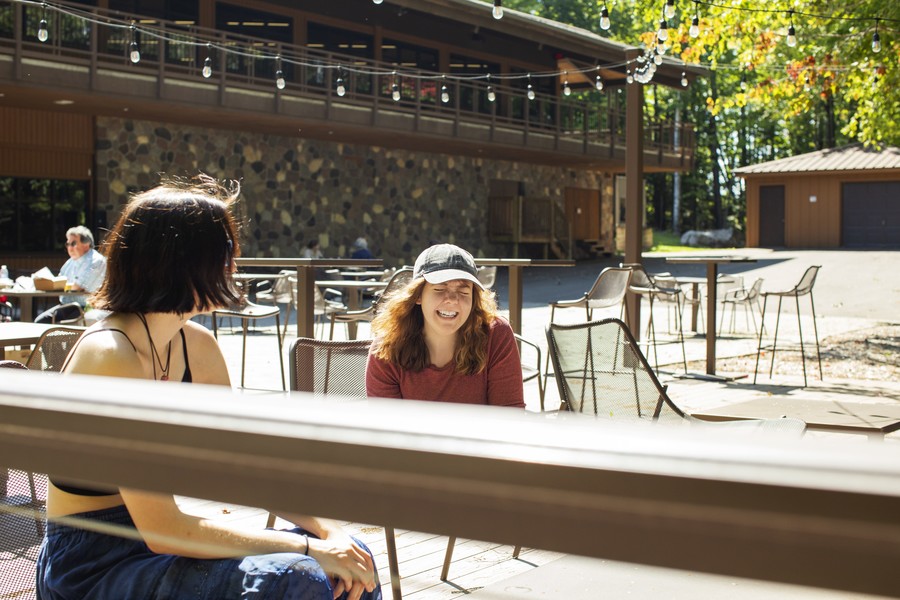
(312, 250)
(440, 338)
(171, 257)
(361, 249)
(84, 271)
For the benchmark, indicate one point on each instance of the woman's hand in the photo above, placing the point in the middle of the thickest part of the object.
(349, 565)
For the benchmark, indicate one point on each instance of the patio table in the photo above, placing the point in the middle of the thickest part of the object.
(306, 280)
(712, 272)
(26, 299)
(515, 266)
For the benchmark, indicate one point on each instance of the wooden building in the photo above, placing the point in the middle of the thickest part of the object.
(406, 121)
(840, 197)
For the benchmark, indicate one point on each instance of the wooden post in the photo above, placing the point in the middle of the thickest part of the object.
(634, 187)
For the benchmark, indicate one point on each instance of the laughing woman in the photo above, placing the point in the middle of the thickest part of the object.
(440, 338)
(170, 257)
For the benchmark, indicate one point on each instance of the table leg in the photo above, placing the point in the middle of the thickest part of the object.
(712, 269)
(26, 309)
(695, 306)
(353, 303)
(515, 298)
(306, 298)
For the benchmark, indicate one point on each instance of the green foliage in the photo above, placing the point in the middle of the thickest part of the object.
(763, 100)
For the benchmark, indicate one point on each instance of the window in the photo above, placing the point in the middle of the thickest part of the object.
(275, 29)
(35, 213)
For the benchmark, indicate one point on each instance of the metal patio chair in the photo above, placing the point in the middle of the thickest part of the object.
(804, 287)
(52, 348)
(398, 280)
(602, 372)
(247, 311)
(644, 284)
(748, 298)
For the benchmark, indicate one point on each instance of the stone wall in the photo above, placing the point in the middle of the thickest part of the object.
(296, 189)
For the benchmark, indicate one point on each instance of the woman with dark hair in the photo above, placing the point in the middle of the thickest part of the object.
(440, 338)
(170, 257)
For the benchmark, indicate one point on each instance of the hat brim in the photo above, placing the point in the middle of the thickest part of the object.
(445, 275)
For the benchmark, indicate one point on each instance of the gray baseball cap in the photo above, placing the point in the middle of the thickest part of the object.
(445, 262)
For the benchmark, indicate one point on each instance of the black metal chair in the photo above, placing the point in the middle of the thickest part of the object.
(644, 284)
(804, 287)
(53, 348)
(601, 371)
(337, 370)
(398, 280)
(246, 312)
(23, 497)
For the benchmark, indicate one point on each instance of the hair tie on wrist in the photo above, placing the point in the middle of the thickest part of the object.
(307, 545)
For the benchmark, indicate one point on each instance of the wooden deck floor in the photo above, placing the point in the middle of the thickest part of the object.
(475, 565)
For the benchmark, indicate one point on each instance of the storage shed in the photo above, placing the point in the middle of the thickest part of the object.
(840, 197)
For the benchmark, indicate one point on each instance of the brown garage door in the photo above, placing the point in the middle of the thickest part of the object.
(870, 214)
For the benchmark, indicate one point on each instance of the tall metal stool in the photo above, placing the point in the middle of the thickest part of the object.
(804, 287)
(644, 284)
(247, 312)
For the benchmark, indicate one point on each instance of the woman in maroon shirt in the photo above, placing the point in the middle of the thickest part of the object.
(440, 338)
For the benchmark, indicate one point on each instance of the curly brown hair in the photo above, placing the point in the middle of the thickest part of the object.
(398, 330)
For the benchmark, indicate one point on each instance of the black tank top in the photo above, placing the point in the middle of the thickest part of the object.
(186, 378)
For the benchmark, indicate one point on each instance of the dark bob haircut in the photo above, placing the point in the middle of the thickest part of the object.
(173, 250)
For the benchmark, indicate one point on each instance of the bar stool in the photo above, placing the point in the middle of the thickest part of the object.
(804, 287)
(247, 312)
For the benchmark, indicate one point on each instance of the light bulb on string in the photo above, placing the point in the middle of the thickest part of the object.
(694, 31)
(445, 93)
(530, 89)
(339, 88)
(792, 33)
(395, 88)
(567, 91)
(876, 39)
(207, 64)
(629, 77)
(279, 74)
(604, 18)
(663, 32)
(660, 46)
(669, 11)
(657, 59)
(598, 82)
(134, 53)
(498, 9)
(684, 79)
(377, 1)
(743, 83)
(43, 32)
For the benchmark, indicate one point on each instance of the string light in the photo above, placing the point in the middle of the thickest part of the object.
(498, 9)
(694, 31)
(339, 87)
(663, 32)
(876, 39)
(530, 89)
(43, 33)
(377, 1)
(792, 33)
(567, 91)
(604, 19)
(445, 93)
(669, 11)
(279, 74)
(207, 63)
(684, 79)
(491, 96)
(395, 89)
(598, 82)
(134, 52)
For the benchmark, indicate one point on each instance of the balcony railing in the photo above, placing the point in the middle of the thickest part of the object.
(100, 40)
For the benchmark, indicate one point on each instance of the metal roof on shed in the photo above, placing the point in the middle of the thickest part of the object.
(854, 157)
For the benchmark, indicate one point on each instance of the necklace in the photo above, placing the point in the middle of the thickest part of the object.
(154, 355)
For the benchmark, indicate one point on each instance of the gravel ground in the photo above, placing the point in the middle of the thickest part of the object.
(870, 354)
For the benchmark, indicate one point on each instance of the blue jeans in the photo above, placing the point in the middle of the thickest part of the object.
(78, 564)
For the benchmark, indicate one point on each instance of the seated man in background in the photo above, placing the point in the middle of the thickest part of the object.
(84, 271)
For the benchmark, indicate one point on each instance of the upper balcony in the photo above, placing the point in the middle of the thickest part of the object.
(85, 63)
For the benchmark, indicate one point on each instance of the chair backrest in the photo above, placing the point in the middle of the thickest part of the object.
(808, 280)
(600, 370)
(398, 280)
(11, 364)
(78, 319)
(53, 347)
(639, 276)
(329, 367)
(487, 276)
(282, 290)
(610, 287)
(753, 292)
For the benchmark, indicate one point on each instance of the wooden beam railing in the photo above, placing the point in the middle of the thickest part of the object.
(797, 511)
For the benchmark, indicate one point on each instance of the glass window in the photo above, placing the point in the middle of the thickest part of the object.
(36, 213)
(272, 29)
(473, 95)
